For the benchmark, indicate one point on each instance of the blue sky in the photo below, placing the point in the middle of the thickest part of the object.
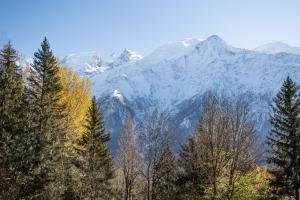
(107, 26)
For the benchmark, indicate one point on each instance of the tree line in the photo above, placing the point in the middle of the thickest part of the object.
(53, 143)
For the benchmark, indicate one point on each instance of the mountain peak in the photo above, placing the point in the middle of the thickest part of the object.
(124, 57)
(130, 55)
(215, 40)
(214, 46)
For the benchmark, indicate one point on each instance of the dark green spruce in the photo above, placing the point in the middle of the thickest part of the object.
(16, 156)
(48, 116)
(97, 165)
(284, 140)
(192, 179)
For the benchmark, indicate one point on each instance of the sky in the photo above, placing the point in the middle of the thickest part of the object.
(108, 26)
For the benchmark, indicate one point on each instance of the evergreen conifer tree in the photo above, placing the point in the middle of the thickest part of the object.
(16, 156)
(284, 140)
(192, 178)
(97, 166)
(48, 116)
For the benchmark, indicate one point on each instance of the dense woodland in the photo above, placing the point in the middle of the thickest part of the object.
(53, 143)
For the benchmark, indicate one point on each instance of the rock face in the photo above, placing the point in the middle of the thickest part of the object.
(175, 76)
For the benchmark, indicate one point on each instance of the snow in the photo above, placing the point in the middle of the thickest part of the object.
(84, 63)
(89, 63)
(278, 47)
(172, 50)
(186, 123)
(177, 71)
(125, 56)
(119, 96)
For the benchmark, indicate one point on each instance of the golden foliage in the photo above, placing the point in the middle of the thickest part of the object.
(76, 97)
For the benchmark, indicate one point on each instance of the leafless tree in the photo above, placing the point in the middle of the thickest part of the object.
(156, 135)
(128, 158)
(213, 137)
(245, 149)
(226, 139)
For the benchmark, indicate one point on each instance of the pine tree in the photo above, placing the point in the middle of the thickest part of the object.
(284, 140)
(15, 139)
(166, 172)
(48, 116)
(97, 165)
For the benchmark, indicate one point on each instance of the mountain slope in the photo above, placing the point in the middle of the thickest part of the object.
(175, 82)
(212, 64)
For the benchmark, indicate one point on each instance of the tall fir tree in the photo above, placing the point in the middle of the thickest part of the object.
(97, 165)
(16, 156)
(284, 140)
(48, 124)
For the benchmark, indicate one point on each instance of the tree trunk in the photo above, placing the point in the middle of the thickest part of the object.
(214, 186)
(148, 188)
(296, 185)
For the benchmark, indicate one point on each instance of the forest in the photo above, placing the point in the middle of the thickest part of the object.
(54, 145)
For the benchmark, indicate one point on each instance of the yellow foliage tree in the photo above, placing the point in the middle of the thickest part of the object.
(76, 96)
(254, 185)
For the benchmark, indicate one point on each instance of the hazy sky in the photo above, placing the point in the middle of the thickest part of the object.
(107, 26)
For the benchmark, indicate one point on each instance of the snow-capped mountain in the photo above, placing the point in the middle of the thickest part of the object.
(278, 47)
(172, 50)
(85, 63)
(90, 63)
(211, 64)
(126, 56)
(174, 81)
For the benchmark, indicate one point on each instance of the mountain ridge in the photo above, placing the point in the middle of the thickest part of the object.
(278, 47)
(174, 82)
